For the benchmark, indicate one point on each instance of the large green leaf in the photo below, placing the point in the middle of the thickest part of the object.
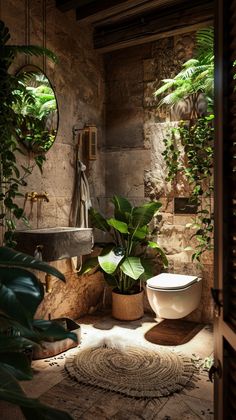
(140, 233)
(142, 216)
(122, 209)
(50, 330)
(132, 267)
(88, 265)
(122, 227)
(98, 221)
(11, 392)
(160, 251)
(14, 344)
(16, 364)
(149, 267)
(109, 262)
(11, 258)
(20, 294)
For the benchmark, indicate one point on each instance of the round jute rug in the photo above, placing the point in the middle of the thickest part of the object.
(135, 372)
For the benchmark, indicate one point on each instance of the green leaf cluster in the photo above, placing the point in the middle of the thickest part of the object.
(124, 262)
(20, 294)
(196, 165)
(12, 91)
(196, 76)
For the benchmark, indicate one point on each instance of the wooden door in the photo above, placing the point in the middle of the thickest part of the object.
(225, 211)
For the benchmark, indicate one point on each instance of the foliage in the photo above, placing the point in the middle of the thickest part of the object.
(20, 295)
(124, 261)
(196, 76)
(197, 166)
(12, 177)
(37, 108)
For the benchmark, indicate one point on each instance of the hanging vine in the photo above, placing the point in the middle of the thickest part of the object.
(196, 164)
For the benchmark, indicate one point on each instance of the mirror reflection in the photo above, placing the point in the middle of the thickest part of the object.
(37, 105)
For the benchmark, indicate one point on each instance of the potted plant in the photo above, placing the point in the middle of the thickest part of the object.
(124, 261)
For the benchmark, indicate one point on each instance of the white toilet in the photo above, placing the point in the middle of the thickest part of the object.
(174, 296)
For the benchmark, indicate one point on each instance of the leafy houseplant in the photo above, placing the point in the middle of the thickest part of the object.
(124, 261)
(20, 294)
(12, 90)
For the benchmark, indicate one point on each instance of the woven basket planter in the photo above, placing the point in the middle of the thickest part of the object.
(127, 307)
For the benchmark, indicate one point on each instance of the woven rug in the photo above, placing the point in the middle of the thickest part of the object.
(135, 372)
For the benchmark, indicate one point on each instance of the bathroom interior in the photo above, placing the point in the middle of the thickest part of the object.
(109, 148)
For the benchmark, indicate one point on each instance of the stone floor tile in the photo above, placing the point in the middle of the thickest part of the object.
(203, 388)
(185, 408)
(202, 407)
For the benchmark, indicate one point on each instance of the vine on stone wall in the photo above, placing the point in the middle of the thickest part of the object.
(196, 164)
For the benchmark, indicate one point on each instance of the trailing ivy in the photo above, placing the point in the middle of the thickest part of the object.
(196, 164)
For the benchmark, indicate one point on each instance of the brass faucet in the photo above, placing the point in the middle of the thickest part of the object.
(34, 196)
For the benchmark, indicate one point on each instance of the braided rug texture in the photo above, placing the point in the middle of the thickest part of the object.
(135, 372)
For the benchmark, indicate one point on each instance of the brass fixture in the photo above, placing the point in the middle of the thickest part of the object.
(90, 140)
(34, 196)
(48, 283)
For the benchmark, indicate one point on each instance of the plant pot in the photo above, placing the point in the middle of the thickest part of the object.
(52, 348)
(127, 307)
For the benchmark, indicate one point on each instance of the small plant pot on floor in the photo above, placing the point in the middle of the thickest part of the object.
(52, 348)
(127, 307)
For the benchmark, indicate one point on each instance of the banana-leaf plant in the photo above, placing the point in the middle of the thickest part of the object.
(124, 261)
(20, 295)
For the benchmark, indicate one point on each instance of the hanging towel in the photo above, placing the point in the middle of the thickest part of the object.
(81, 198)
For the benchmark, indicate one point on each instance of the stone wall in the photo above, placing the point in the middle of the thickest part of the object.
(130, 141)
(135, 129)
(78, 81)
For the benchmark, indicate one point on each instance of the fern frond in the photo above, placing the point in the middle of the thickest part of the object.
(33, 50)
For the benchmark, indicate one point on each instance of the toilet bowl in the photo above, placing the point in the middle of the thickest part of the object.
(174, 296)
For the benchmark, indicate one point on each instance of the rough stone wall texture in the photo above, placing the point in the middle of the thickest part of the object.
(78, 80)
(79, 296)
(135, 131)
(130, 143)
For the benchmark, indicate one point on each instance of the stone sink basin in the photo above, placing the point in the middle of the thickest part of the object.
(57, 243)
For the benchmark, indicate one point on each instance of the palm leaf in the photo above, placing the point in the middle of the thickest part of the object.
(33, 50)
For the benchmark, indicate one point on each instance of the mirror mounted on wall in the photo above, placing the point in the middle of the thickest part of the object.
(38, 107)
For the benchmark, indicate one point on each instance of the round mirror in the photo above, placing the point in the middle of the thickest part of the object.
(38, 107)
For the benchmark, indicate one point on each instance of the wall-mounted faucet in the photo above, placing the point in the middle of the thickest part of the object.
(34, 196)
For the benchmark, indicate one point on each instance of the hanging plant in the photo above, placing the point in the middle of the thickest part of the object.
(196, 164)
(195, 135)
(12, 175)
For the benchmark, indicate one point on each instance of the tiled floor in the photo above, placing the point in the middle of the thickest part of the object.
(54, 388)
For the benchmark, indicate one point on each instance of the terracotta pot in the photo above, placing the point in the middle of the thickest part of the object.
(127, 307)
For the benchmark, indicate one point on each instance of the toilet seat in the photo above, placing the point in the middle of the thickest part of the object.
(171, 282)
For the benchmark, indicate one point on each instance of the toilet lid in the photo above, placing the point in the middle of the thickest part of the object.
(169, 281)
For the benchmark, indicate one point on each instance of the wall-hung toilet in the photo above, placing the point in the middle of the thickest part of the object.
(174, 296)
